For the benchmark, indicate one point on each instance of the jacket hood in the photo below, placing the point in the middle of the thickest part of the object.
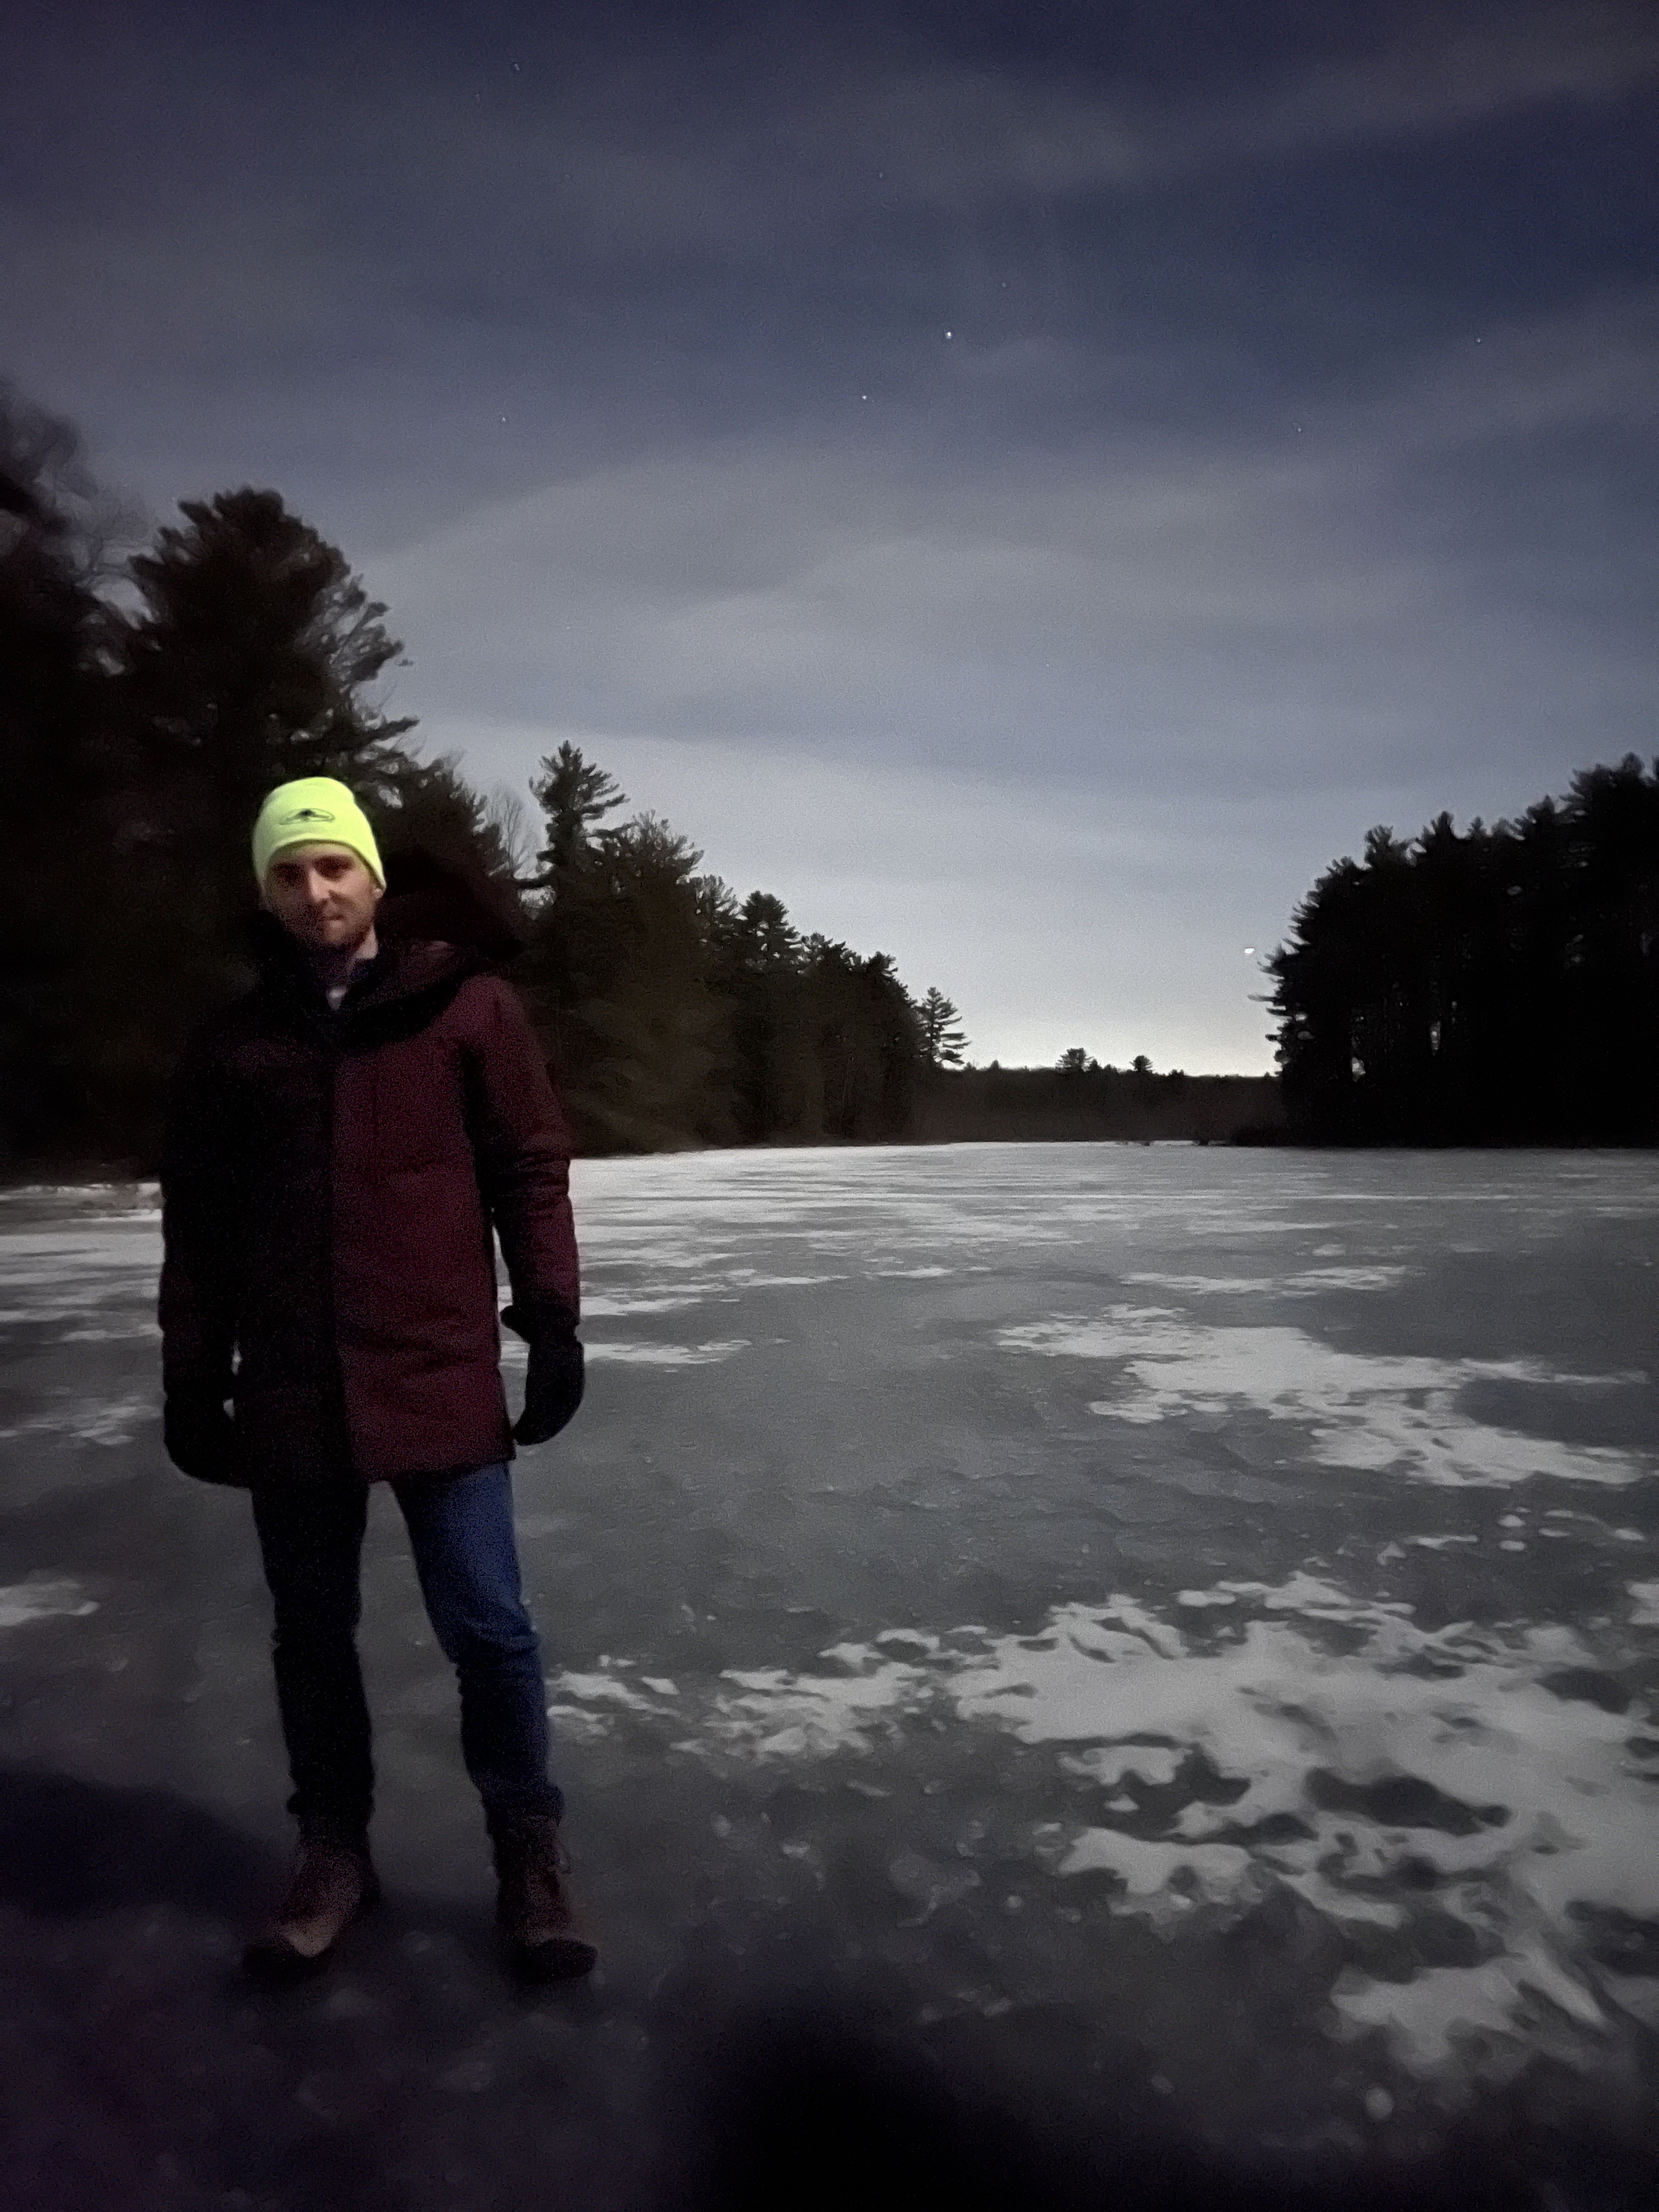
(453, 901)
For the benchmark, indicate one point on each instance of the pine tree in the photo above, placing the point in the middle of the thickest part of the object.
(251, 663)
(869, 1040)
(619, 970)
(944, 1045)
(574, 796)
(776, 1085)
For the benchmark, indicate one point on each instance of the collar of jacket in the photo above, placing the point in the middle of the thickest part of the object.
(397, 992)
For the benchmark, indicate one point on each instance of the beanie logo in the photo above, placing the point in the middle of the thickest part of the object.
(308, 814)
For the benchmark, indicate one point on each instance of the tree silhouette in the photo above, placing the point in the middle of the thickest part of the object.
(1496, 986)
(677, 1013)
(943, 1043)
(619, 967)
(759, 967)
(869, 1043)
(59, 777)
(574, 796)
(250, 663)
(506, 823)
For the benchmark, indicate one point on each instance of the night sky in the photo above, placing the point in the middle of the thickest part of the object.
(1030, 484)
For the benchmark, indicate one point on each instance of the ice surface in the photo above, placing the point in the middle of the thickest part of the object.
(87, 1420)
(1080, 1575)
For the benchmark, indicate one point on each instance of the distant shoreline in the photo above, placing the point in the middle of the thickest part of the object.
(1051, 1105)
(974, 1106)
(104, 1177)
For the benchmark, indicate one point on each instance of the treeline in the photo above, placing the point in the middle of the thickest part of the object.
(1080, 1101)
(1500, 986)
(677, 1013)
(148, 700)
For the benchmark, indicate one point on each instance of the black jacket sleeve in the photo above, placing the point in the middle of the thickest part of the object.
(521, 1145)
(200, 1214)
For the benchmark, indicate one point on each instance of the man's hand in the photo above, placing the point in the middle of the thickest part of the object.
(553, 1386)
(200, 1436)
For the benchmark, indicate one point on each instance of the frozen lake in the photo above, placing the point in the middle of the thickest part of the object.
(1158, 1644)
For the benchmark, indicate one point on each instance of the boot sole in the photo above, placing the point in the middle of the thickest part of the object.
(565, 1958)
(274, 1961)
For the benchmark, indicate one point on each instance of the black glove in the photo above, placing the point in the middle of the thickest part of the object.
(200, 1436)
(553, 1386)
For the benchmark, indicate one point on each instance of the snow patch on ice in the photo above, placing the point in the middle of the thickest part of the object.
(1455, 1754)
(605, 1687)
(1374, 1412)
(1431, 2020)
(1347, 1278)
(610, 1302)
(586, 1706)
(1181, 1873)
(667, 1355)
(99, 1334)
(776, 1713)
(1157, 1764)
(41, 1598)
(750, 1279)
(1308, 1740)
(1305, 1281)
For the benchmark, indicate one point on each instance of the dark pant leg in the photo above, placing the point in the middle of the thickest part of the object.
(460, 1529)
(311, 1538)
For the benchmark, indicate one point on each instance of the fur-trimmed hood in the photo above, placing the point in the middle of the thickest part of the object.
(428, 897)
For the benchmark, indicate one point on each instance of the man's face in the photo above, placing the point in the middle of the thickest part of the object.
(323, 894)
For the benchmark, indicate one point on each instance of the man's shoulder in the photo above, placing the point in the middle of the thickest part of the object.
(485, 999)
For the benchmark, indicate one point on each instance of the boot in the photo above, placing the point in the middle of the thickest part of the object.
(334, 1883)
(532, 1907)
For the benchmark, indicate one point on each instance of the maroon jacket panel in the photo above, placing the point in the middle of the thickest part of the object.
(330, 1182)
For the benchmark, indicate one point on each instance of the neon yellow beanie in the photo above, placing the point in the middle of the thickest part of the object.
(313, 809)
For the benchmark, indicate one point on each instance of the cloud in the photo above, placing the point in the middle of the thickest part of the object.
(789, 133)
(412, 176)
(1253, 614)
(1449, 75)
(955, 137)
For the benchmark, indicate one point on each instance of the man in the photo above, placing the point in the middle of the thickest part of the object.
(342, 1145)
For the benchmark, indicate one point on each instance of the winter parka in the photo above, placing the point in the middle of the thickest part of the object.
(332, 1182)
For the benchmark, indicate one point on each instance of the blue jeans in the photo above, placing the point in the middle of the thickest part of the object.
(460, 1530)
